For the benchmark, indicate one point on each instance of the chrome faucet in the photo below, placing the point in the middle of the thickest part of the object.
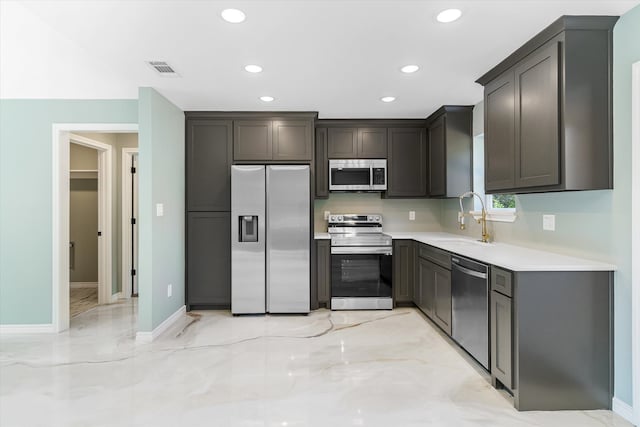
(482, 220)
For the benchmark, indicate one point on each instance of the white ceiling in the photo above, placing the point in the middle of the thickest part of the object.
(337, 57)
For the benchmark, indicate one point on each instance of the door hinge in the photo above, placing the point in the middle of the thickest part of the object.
(133, 169)
(99, 233)
(133, 271)
(133, 221)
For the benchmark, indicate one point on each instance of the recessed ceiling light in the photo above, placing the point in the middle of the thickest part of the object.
(267, 98)
(409, 69)
(233, 16)
(449, 15)
(252, 68)
(388, 98)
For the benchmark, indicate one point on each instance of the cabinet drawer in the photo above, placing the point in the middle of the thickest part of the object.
(501, 281)
(438, 256)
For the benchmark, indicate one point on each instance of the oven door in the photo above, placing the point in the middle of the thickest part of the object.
(361, 272)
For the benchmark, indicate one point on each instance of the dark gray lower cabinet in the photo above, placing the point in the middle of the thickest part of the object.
(208, 260)
(403, 271)
(551, 342)
(501, 342)
(323, 271)
(432, 292)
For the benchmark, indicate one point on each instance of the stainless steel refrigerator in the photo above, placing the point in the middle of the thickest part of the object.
(270, 239)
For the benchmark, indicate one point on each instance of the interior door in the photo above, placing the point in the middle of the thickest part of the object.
(134, 225)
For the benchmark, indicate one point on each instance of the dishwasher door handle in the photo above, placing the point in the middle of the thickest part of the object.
(469, 272)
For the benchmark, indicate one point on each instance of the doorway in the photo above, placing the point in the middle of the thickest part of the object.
(63, 136)
(83, 228)
(635, 240)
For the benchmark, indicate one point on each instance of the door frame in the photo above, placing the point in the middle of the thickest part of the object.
(60, 192)
(635, 239)
(105, 207)
(127, 155)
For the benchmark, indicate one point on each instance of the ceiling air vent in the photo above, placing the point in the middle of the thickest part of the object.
(162, 68)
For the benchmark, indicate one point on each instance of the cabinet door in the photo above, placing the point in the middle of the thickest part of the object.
(252, 140)
(501, 343)
(208, 152)
(437, 159)
(322, 165)
(407, 163)
(342, 143)
(442, 298)
(537, 148)
(403, 254)
(292, 140)
(426, 277)
(323, 266)
(209, 259)
(499, 143)
(372, 143)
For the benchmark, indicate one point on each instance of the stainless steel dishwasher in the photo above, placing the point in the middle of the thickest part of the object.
(470, 307)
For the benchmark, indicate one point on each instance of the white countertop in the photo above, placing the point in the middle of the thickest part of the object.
(322, 236)
(511, 257)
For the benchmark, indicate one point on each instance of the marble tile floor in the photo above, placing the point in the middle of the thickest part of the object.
(373, 368)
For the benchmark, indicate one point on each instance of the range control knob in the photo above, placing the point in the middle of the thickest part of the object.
(370, 218)
(340, 218)
(378, 219)
(332, 218)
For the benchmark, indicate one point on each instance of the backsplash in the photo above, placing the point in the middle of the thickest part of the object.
(395, 212)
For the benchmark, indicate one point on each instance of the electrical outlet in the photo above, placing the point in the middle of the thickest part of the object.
(326, 214)
(412, 215)
(169, 290)
(549, 222)
(159, 209)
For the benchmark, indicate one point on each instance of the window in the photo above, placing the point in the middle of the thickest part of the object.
(500, 207)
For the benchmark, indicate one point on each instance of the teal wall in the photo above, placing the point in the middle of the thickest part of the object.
(162, 239)
(591, 224)
(25, 197)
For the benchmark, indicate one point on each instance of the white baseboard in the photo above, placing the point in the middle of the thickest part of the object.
(27, 329)
(147, 337)
(76, 285)
(622, 409)
(116, 297)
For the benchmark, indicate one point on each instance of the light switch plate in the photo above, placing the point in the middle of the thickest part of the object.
(159, 209)
(549, 222)
(327, 214)
(169, 290)
(412, 215)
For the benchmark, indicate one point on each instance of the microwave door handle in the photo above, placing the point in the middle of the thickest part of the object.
(370, 176)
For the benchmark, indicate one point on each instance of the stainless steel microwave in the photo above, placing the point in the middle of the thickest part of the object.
(358, 175)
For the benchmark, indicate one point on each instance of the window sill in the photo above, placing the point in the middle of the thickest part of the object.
(496, 216)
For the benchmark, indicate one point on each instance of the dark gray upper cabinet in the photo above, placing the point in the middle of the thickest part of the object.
(536, 118)
(372, 143)
(450, 151)
(407, 163)
(548, 111)
(321, 165)
(292, 140)
(499, 135)
(208, 260)
(208, 159)
(342, 143)
(252, 140)
(403, 270)
(357, 143)
(272, 137)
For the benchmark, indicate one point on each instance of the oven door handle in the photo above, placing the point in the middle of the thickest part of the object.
(361, 250)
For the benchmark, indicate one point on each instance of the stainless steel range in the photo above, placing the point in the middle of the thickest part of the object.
(361, 266)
